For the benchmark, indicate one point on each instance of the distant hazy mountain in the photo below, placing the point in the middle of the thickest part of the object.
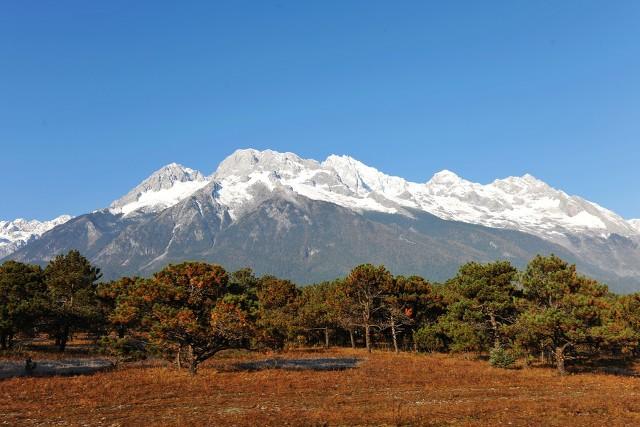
(310, 220)
(17, 233)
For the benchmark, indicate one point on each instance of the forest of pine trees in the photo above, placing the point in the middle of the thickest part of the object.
(189, 312)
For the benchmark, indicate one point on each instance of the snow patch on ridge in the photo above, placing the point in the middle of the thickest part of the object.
(164, 188)
(17, 233)
(162, 199)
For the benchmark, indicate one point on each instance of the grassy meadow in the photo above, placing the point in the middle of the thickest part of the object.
(384, 389)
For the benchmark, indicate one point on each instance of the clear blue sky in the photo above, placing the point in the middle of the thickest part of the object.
(95, 95)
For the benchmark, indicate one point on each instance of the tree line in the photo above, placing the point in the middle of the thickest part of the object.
(188, 312)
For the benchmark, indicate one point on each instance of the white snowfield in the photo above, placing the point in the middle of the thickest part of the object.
(164, 188)
(520, 203)
(15, 234)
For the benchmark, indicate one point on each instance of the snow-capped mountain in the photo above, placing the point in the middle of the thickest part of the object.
(519, 203)
(248, 176)
(310, 220)
(163, 189)
(15, 234)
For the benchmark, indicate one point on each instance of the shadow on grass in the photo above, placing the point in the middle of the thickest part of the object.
(49, 368)
(608, 366)
(322, 364)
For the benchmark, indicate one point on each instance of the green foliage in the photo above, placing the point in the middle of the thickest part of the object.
(22, 298)
(502, 358)
(315, 310)
(71, 296)
(121, 304)
(561, 309)
(193, 310)
(430, 339)
(365, 288)
(421, 300)
(463, 337)
(185, 310)
(125, 349)
(276, 315)
(482, 297)
(242, 291)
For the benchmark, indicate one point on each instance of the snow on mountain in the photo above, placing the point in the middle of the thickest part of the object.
(248, 177)
(15, 234)
(521, 203)
(164, 188)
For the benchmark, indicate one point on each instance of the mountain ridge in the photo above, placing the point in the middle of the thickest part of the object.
(18, 232)
(178, 211)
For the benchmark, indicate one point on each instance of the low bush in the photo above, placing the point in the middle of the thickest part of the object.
(430, 338)
(502, 358)
(124, 349)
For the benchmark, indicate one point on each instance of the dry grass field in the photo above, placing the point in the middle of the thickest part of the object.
(385, 389)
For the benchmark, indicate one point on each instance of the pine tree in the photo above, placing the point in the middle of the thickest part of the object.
(563, 309)
(276, 316)
(188, 312)
(71, 296)
(365, 287)
(22, 293)
(483, 299)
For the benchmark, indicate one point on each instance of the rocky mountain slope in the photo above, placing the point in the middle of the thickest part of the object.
(17, 233)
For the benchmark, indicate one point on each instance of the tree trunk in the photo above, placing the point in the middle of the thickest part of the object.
(351, 337)
(193, 367)
(394, 335)
(179, 357)
(62, 344)
(367, 337)
(326, 337)
(62, 338)
(3, 342)
(193, 361)
(543, 360)
(560, 358)
(494, 327)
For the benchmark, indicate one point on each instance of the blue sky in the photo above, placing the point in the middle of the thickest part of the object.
(94, 96)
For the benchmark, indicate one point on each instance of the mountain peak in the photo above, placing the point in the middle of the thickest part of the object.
(244, 162)
(163, 188)
(173, 172)
(445, 176)
(342, 158)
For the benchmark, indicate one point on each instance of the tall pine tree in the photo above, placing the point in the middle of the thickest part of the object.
(71, 291)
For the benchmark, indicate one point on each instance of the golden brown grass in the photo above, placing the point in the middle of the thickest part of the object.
(386, 389)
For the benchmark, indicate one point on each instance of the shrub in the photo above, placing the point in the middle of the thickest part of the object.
(430, 338)
(501, 358)
(125, 349)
